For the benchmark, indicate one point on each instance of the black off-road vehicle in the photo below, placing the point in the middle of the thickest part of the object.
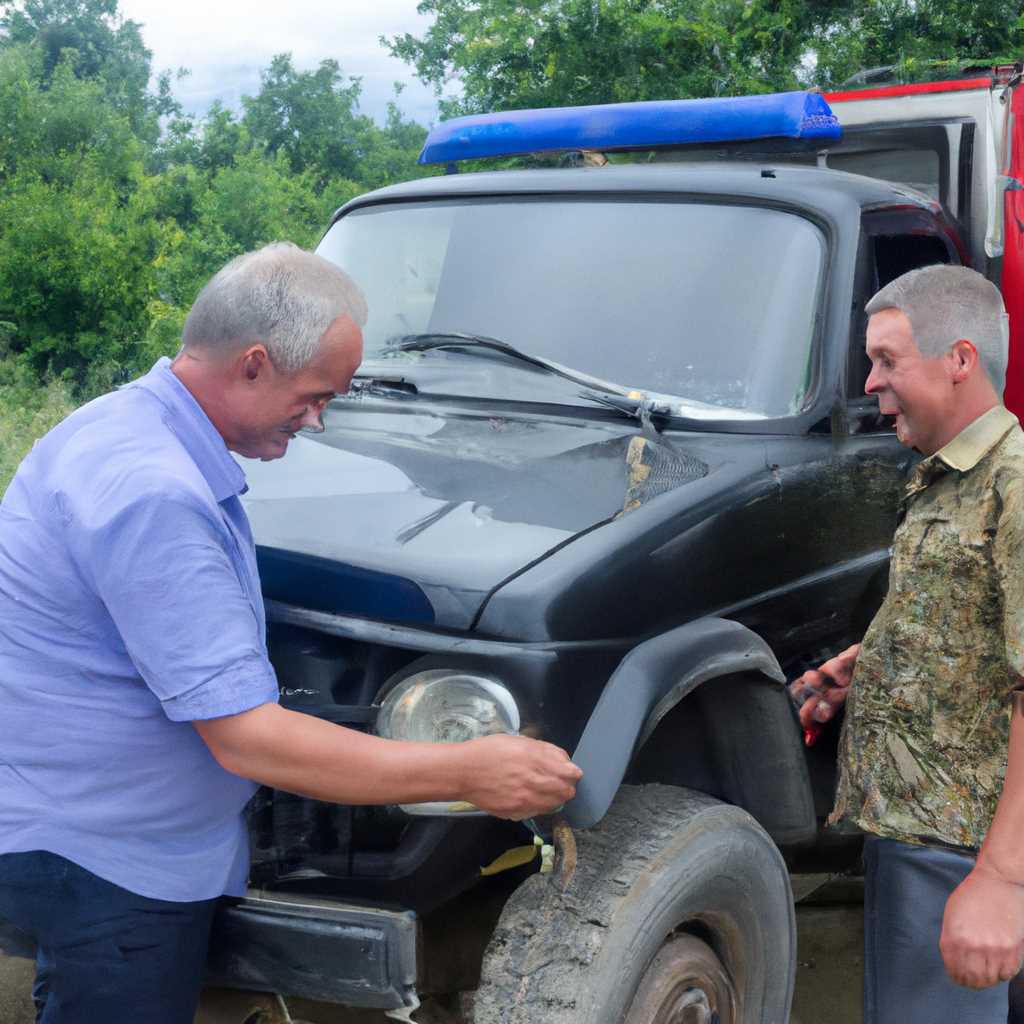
(607, 476)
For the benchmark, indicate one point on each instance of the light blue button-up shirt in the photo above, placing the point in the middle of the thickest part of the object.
(129, 606)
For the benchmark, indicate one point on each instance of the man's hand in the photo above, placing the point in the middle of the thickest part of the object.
(983, 929)
(822, 691)
(516, 777)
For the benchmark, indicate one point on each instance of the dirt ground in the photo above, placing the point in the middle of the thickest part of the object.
(828, 969)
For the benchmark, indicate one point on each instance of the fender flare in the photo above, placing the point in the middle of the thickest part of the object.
(652, 678)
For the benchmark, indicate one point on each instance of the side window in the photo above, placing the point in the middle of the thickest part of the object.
(892, 242)
(933, 158)
(896, 254)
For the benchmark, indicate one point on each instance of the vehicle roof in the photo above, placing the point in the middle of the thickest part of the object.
(821, 189)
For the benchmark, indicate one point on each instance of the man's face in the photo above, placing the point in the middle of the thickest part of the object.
(269, 407)
(916, 389)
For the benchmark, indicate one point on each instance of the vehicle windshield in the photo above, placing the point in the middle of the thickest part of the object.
(711, 303)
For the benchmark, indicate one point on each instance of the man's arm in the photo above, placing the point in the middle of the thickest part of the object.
(983, 928)
(508, 776)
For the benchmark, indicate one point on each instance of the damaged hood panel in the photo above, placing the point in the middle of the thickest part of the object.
(414, 515)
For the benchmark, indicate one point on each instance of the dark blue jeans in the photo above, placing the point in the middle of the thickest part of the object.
(104, 954)
(905, 982)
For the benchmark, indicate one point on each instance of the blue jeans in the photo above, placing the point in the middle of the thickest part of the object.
(104, 954)
(905, 982)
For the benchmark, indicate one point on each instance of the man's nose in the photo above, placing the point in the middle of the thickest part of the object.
(311, 420)
(873, 384)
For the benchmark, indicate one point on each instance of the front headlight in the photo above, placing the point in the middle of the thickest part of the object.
(446, 706)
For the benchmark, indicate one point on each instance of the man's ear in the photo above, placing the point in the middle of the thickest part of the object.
(965, 358)
(253, 362)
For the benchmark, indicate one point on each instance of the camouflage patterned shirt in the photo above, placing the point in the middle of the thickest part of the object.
(923, 748)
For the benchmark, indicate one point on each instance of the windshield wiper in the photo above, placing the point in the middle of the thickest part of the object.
(652, 415)
(470, 342)
(373, 385)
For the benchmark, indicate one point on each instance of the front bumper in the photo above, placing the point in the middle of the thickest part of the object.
(315, 949)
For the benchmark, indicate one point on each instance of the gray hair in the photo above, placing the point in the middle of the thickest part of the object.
(945, 304)
(279, 295)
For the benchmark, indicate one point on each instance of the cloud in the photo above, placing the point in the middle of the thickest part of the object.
(225, 44)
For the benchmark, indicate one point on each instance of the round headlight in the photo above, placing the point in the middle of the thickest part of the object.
(446, 706)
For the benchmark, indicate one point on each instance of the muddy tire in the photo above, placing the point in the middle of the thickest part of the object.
(679, 912)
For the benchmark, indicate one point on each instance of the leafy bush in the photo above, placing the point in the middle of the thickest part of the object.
(78, 275)
(28, 410)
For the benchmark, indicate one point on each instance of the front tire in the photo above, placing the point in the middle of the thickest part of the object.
(680, 912)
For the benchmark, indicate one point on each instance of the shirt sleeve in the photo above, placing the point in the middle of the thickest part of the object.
(160, 566)
(1008, 556)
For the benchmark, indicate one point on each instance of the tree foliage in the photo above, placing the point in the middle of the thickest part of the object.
(310, 117)
(506, 54)
(91, 36)
(116, 205)
(914, 32)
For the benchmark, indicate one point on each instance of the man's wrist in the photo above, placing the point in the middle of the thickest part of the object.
(1017, 701)
(1008, 870)
(460, 768)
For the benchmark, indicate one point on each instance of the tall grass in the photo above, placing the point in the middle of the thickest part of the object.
(27, 411)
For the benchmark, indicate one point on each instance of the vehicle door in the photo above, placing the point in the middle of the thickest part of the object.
(875, 464)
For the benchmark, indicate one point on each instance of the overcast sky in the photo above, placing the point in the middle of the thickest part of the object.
(225, 44)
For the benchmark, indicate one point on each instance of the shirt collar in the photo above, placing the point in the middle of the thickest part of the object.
(977, 439)
(194, 430)
(964, 452)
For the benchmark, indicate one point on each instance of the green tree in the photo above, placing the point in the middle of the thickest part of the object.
(106, 49)
(255, 201)
(392, 152)
(49, 130)
(912, 32)
(77, 273)
(208, 143)
(222, 140)
(509, 54)
(116, 206)
(311, 117)
(540, 53)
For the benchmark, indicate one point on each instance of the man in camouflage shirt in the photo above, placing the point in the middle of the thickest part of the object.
(928, 727)
(923, 752)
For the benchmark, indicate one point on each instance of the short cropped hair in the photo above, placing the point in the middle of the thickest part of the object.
(944, 304)
(279, 295)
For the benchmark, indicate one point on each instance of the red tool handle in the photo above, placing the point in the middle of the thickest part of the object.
(812, 733)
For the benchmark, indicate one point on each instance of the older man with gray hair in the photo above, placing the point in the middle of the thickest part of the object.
(931, 755)
(138, 707)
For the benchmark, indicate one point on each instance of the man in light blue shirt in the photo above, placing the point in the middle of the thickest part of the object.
(138, 709)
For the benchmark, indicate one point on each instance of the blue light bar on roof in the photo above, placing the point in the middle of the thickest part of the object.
(650, 125)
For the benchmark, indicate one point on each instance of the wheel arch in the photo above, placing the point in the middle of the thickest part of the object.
(702, 706)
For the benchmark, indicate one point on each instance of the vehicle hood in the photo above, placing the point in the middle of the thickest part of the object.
(413, 515)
